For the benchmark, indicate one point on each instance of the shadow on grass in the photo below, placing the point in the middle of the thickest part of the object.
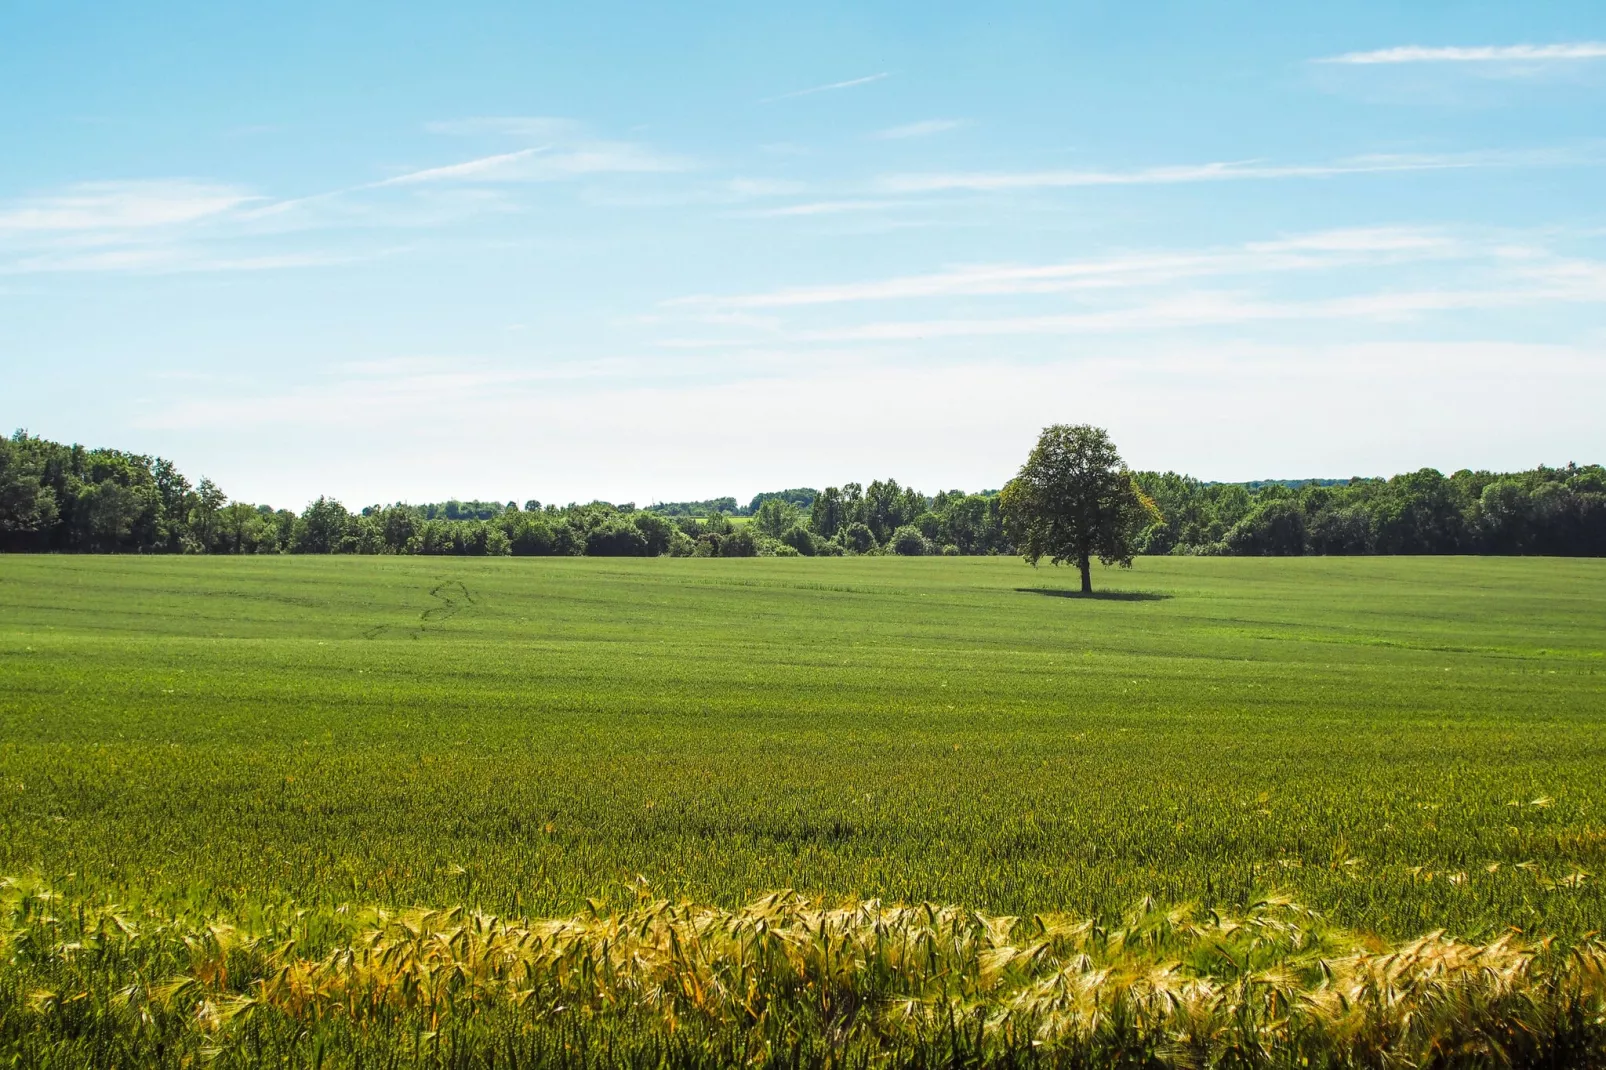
(1097, 596)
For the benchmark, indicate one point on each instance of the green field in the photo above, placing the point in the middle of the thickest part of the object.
(1401, 743)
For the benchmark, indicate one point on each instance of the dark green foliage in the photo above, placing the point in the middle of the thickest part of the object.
(1550, 511)
(798, 497)
(1074, 501)
(740, 542)
(67, 498)
(858, 538)
(775, 517)
(1274, 528)
(802, 540)
(703, 508)
(908, 542)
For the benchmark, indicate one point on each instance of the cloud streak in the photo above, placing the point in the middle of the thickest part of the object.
(122, 206)
(483, 169)
(849, 84)
(1319, 250)
(1223, 171)
(1581, 50)
(924, 128)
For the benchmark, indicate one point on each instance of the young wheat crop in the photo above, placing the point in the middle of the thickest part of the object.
(782, 980)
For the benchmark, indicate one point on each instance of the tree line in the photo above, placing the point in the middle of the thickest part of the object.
(1548, 511)
(61, 498)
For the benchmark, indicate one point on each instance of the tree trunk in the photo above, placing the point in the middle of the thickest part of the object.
(1087, 574)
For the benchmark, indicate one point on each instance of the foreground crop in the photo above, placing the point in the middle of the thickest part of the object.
(782, 981)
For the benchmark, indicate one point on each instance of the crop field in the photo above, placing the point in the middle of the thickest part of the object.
(1401, 744)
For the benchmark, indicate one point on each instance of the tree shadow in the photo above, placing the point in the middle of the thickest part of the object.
(1098, 596)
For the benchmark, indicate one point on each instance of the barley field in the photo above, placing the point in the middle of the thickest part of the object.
(1384, 747)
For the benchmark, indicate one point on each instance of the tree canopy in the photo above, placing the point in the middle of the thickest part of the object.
(69, 499)
(1074, 500)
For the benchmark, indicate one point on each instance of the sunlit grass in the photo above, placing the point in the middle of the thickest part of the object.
(1403, 744)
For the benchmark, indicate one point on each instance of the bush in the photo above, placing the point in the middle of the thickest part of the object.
(908, 542)
(1272, 529)
(739, 543)
(531, 537)
(616, 537)
(858, 538)
(1340, 531)
(656, 530)
(800, 539)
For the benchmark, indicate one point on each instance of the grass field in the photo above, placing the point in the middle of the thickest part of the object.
(221, 778)
(1402, 743)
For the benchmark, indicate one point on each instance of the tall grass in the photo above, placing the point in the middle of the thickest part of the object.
(784, 980)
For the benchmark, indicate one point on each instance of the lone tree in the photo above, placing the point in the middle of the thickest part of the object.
(1074, 500)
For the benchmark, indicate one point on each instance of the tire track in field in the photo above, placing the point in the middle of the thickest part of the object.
(454, 597)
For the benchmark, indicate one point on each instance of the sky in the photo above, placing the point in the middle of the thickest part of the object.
(395, 252)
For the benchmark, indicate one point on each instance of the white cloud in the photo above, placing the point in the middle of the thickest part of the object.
(1319, 250)
(1209, 309)
(814, 208)
(924, 128)
(1582, 50)
(1224, 171)
(543, 163)
(765, 187)
(849, 84)
(486, 168)
(122, 206)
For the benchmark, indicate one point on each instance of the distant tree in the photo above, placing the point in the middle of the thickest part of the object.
(908, 542)
(858, 537)
(888, 507)
(208, 501)
(775, 516)
(1339, 531)
(27, 506)
(828, 513)
(801, 539)
(616, 537)
(1074, 500)
(655, 530)
(321, 528)
(739, 543)
(800, 497)
(1274, 528)
(238, 524)
(1421, 512)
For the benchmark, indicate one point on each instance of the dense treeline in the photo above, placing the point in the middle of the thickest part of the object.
(1551, 511)
(67, 498)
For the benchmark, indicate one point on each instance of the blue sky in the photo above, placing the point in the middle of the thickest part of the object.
(386, 251)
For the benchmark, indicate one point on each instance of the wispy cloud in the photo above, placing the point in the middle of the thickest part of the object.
(1581, 50)
(1324, 249)
(815, 208)
(765, 187)
(1225, 171)
(924, 128)
(484, 168)
(122, 206)
(849, 84)
(544, 163)
(1208, 309)
(523, 126)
